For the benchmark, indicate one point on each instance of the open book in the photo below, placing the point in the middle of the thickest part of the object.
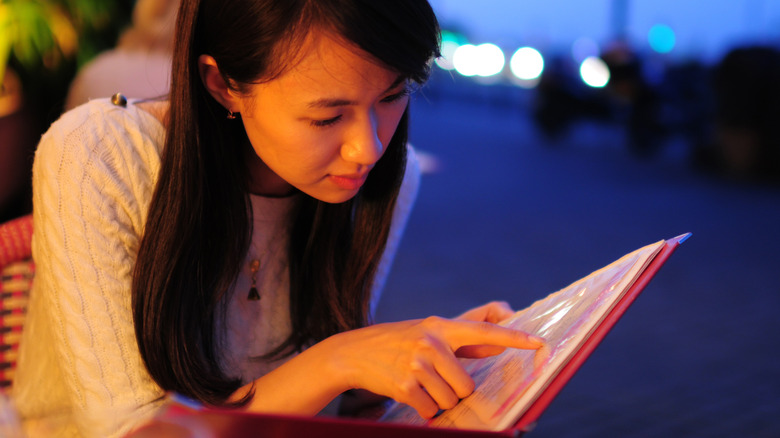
(512, 389)
(510, 384)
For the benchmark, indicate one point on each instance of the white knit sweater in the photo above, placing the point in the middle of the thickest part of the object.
(80, 372)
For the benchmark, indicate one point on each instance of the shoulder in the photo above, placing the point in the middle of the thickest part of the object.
(99, 150)
(102, 131)
(99, 121)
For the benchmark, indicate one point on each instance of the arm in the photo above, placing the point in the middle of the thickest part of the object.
(90, 190)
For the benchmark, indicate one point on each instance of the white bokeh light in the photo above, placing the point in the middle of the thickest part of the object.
(594, 72)
(491, 60)
(466, 60)
(527, 64)
(483, 60)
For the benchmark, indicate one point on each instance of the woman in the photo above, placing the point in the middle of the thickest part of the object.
(228, 243)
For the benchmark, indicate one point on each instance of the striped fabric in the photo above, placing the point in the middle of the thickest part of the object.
(15, 283)
(16, 276)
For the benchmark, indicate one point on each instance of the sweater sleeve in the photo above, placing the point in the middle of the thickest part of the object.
(403, 208)
(93, 175)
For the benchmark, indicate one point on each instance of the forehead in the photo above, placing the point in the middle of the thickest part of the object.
(329, 66)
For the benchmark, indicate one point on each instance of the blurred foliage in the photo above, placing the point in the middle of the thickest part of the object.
(46, 41)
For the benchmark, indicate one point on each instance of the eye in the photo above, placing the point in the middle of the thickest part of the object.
(325, 123)
(397, 96)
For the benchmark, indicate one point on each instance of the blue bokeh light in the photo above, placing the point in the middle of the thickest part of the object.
(662, 38)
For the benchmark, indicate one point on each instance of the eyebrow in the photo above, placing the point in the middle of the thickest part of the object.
(332, 103)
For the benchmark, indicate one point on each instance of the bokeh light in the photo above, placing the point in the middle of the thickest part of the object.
(594, 72)
(662, 38)
(491, 60)
(527, 63)
(450, 41)
(466, 60)
(483, 60)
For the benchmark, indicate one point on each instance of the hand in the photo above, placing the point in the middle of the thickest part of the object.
(414, 362)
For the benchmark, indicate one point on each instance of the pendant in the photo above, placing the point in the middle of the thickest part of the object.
(254, 295)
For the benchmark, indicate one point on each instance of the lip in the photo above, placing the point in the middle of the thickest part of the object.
(349, 182)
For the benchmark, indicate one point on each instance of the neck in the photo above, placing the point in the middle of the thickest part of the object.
(265, 182)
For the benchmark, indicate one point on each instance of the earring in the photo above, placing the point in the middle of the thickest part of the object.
(231, 115)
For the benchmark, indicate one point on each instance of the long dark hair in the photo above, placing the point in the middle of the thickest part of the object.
(198, 227)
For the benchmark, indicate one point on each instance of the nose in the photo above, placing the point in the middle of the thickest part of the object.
(362, 144)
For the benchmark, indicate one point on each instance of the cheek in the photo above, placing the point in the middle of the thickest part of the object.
(299, 156)
(388, 125)
(273, 139)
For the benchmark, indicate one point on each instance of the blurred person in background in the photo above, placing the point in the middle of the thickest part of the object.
(747, 114)
(140, 64)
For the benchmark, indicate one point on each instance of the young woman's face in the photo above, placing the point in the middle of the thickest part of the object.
(322, 125)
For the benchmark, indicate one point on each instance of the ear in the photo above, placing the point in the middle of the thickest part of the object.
(215, 83)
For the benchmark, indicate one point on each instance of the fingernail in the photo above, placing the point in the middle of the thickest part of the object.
(537, 340)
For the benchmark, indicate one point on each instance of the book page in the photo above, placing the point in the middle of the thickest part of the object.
(507, 384)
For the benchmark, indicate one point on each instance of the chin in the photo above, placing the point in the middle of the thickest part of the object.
(339, 199)
(335, 197)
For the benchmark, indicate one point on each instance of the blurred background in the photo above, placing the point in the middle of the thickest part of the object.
(560, 135)
(555, 137)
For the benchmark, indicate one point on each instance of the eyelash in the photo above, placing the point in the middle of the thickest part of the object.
(325, 123)
(389, 99)
(397, 96)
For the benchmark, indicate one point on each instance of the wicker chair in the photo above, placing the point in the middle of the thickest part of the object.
(16, 277)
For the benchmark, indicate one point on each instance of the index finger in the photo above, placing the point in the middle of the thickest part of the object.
(462, 333)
